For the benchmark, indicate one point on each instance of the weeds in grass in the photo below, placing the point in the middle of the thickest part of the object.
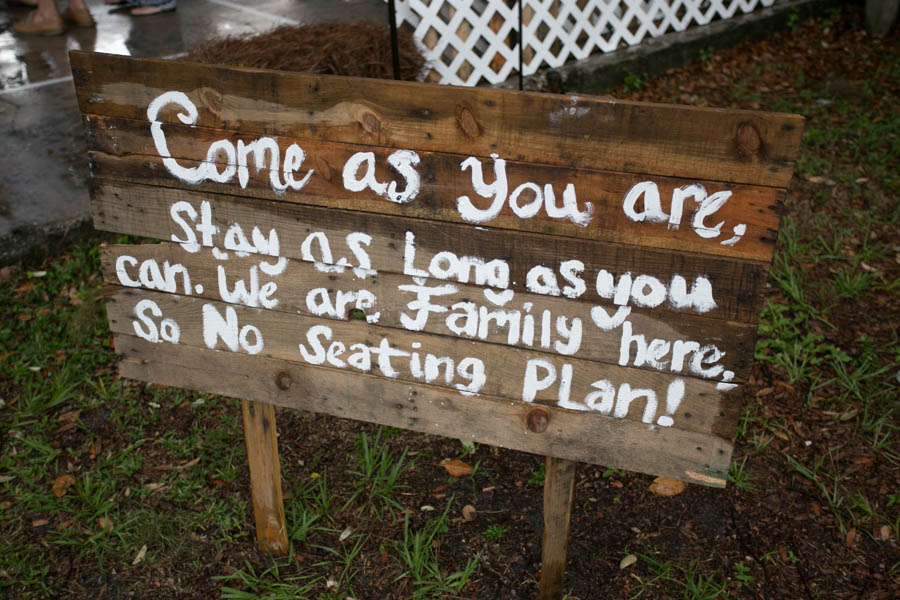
(740, 476)
(826, 481)
(686, 580)
(418, 552)
(537, 477)
(268, 584)
(633, 82)
(379, 473)
(494, 532)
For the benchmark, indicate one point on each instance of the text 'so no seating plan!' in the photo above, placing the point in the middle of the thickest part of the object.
(563, 275)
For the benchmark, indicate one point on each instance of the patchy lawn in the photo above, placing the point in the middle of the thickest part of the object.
(113, 489)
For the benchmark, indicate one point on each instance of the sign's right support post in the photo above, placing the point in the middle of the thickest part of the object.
(559, 487)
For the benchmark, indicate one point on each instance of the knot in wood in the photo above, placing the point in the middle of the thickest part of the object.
(748, 140)
(323, 168)
(466, 121)
(370, 122)
(537, 419)
(212, 100)
(283, 380)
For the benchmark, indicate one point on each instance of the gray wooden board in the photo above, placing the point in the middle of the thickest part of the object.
(146, 211)
(590, 438)
(703, 409)
(304, 289)
(724, 145)
(124, 149)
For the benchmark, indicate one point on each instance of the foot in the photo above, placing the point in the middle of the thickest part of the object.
(82, 17)
(142, 11)
(32, 26)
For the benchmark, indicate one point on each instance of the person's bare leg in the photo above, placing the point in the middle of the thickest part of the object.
(46, 10)
(45, 20)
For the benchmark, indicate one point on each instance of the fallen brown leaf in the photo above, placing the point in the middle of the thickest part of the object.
(105, 523)
(62, 485)
(664, 486)
(456, 467)
(39, 523)
(69, 417)
(25, 288)
(885, 533)
(852, 537)
(469, 513)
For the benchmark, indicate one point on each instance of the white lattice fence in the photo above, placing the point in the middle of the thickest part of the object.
(470, 41)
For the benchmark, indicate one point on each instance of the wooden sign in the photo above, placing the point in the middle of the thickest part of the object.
(563, 275)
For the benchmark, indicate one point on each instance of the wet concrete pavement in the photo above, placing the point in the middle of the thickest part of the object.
(43, 171)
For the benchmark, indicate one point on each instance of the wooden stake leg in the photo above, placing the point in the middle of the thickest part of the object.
(559, 486)
(265, 476)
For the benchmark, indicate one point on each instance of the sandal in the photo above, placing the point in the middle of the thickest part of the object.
(81, 18)
(141, 11)
(29, 26)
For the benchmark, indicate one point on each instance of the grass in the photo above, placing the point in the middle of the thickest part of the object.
(378, 475)
(686, 581)
(418, 553)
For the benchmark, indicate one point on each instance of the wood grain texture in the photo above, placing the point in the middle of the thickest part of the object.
(123, 150)
(261, 439)
(590, 438)
(559, 489)
(704, 409)
(299, 278)
(578, 131)
(145, 211)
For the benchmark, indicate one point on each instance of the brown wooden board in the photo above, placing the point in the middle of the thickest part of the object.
(124, 149)
(580, 131)
(617, 336)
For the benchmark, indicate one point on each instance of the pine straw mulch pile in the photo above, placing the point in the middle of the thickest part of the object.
(360, 49)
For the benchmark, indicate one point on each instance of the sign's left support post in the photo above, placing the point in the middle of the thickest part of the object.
(265, 476)
(559, 487)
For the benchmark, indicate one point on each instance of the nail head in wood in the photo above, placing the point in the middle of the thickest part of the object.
(283, 381)
(537, 419)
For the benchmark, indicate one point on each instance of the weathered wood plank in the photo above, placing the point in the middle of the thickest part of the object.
(124, 150)
(588, 437)
(694, 143)
(559, 488)
(422, 357)
(143, 210)
(302, 285)
(261, 439)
